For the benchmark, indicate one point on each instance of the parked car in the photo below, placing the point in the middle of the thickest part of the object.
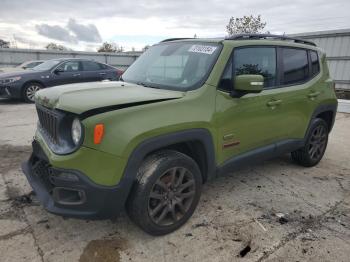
(24, 84)
(21, 67)
(188, 111)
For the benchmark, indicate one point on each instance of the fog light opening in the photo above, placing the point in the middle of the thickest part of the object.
(68, 196)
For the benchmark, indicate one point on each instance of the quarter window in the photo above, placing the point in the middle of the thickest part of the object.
(257, 61)
(295, 66)
(315, 64)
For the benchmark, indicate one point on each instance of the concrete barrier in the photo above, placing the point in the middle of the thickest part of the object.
(343, 106)
(11, 57)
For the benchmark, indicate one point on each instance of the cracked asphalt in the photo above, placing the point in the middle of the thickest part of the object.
(274, 211)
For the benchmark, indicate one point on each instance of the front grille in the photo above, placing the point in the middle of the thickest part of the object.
(48, 122)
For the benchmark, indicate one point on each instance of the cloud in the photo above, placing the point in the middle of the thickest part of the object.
(56, 32)
(86, 33)
(73, 32)
(96, 20)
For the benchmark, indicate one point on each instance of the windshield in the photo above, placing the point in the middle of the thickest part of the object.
(47, 65)
(174, 65)
(22, 65)
(29, 65)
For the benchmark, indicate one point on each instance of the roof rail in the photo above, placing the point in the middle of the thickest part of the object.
(268, 36)
(174, 39)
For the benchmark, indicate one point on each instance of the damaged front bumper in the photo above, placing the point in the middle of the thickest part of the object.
(69, 192)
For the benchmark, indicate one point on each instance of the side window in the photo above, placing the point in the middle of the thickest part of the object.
(103, 66)
(295, 66)
(315, 64)
(256, 61)
(70, 66)
(91, 66)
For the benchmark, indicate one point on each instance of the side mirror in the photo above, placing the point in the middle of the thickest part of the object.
(58, 70)
(245, 84)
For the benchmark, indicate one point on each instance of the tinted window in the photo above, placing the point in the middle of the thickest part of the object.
(257, 61)
(70, 66)
(91, 66)
(295, 65)
(315, 65)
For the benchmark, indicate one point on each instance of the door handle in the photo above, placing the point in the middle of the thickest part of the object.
(314, 94)
(102, 74)
(274, 103)
(76, 74)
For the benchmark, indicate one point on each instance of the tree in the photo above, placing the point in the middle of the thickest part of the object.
(57, 47)
(245, 24)
(110, 48)
(4, 44)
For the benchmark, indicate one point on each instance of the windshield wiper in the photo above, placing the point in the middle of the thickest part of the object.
(146, 85)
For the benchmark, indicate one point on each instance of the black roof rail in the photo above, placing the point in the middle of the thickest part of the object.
(174, 39)
(268, 36)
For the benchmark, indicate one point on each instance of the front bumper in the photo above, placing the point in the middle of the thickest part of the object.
(69, 192)
(12, 90)
(5, 92)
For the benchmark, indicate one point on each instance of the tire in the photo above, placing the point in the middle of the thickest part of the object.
(315, 146)
(29, 91)
(166, 192)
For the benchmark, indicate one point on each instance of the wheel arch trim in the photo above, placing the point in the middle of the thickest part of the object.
(322, 109)
(152, 144)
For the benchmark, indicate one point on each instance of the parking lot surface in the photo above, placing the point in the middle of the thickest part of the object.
(274, 211)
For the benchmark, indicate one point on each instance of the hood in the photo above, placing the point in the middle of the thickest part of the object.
(10, 69)
(22, 72)
(80, 98)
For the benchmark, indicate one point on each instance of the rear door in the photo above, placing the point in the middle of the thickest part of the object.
(92, 71)
(69, 72)
(296, 91)
(109, 72)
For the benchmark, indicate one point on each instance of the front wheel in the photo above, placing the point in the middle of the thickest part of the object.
(166, 193)
(29, 91)
(315, 146)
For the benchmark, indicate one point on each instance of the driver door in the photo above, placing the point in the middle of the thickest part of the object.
(249, 122)
(67, 73)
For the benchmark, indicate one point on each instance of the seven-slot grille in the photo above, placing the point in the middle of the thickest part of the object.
(49, 122)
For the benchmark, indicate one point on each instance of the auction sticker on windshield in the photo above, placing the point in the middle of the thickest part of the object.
(204, 49)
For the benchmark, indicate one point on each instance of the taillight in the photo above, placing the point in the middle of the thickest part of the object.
(119, 72)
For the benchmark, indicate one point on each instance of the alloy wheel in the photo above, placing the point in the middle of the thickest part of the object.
(171, 196)
(31, 90)
(318, 141)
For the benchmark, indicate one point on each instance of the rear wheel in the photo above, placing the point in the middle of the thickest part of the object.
(29, 91)
(315, 146)
(166, 193)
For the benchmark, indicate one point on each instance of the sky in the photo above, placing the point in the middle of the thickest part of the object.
(84, 25)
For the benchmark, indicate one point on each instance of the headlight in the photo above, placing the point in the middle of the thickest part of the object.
(10, 80)
(76, 131)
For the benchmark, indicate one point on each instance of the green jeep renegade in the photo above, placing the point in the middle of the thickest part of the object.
(187, 111)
